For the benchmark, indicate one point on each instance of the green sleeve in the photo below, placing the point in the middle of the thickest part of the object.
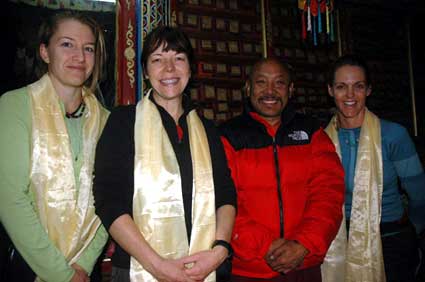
(94, 250)
(16, 205)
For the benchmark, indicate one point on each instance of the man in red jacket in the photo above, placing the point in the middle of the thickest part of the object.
(289, 180)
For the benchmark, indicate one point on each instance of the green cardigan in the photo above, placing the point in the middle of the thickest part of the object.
(16, 202)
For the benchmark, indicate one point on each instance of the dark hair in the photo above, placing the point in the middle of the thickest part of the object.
(50, 26)
(287, 67)
(173, 39)
(349, 60)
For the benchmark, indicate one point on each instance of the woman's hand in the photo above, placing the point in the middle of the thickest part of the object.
(127, 235)
(201, 264)
(80, 275)
(169, 270)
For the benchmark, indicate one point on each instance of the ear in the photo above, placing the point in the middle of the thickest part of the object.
(369, 90)
(145, 75)
(330, 91)
(44, 54)
(247, 88)
(291, 90)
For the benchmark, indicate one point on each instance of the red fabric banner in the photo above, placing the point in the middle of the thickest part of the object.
(126, 52)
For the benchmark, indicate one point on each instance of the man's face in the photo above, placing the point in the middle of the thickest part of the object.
(269, 90)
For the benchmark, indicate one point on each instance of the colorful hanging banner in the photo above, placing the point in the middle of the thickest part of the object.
(317, 18)
(136, 18)
(151, 14)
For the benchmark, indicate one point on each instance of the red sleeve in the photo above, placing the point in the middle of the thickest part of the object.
(323, 212)
(250, 240)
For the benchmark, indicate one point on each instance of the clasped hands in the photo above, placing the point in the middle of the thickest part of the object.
(193, 268)
(285, 255)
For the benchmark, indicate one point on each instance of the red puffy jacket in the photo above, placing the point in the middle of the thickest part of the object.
(307, 207)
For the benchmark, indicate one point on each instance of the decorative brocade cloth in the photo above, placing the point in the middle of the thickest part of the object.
(361, 258)
(65, 208)
(158, 202)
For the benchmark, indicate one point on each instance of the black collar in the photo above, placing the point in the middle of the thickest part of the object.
(286, 117)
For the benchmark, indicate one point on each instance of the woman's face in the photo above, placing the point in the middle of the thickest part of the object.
(168, 73)
(349, 91)
(70, 54)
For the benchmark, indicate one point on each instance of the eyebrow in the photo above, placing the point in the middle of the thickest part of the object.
(66, 37)
(72, 39)
(262, 74)
(343, 82)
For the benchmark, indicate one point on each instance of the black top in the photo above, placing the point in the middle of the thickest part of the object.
(113, 185)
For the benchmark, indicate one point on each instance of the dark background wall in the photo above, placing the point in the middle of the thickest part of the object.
(226, 35)
(379, 31)
(19, 29)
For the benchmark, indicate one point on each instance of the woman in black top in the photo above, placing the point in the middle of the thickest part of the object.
(159, 166)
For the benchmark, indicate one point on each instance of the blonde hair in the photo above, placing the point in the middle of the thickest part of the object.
(50, 26)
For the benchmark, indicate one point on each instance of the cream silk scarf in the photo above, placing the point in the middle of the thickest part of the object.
(65, 208)
(363, 251)
(157, 201)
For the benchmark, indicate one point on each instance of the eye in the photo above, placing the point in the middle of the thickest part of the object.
(89, 49)
(280, 83)
(260, 82)
(360, 86)
(340, 86)
(66, 44)
(181, 58)
(155, 60)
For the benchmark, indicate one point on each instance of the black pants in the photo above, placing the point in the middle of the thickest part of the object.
(311, 274)
(400, 252)
(13, 267)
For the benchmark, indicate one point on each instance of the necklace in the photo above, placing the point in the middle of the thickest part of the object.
(78, 112)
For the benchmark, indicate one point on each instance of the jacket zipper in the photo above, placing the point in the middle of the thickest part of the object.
(279, 192)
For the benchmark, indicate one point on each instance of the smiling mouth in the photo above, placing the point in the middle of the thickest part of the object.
(349, 103)
(170, 81)
(269, 100)
(76, 68)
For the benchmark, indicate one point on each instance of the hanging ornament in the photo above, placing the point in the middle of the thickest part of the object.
(316, 18)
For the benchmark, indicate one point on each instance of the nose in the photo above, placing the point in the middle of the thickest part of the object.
(350, 91)
(170, 65)
(269, 88)
(79, 55)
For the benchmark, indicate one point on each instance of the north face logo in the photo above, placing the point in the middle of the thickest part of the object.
(298, 135)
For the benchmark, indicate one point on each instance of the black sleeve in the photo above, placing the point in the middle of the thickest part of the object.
(225, 193)
(113, 183)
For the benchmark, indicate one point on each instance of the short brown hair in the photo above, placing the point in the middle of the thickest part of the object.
(173, 39)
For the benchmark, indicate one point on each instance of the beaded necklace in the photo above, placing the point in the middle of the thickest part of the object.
(75, 115)
(78, 112)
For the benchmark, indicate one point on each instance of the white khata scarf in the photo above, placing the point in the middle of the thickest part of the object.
(65, 208)
(157, 201)
(360, 259)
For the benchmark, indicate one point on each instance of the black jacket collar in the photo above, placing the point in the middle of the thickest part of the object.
(286, 117)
